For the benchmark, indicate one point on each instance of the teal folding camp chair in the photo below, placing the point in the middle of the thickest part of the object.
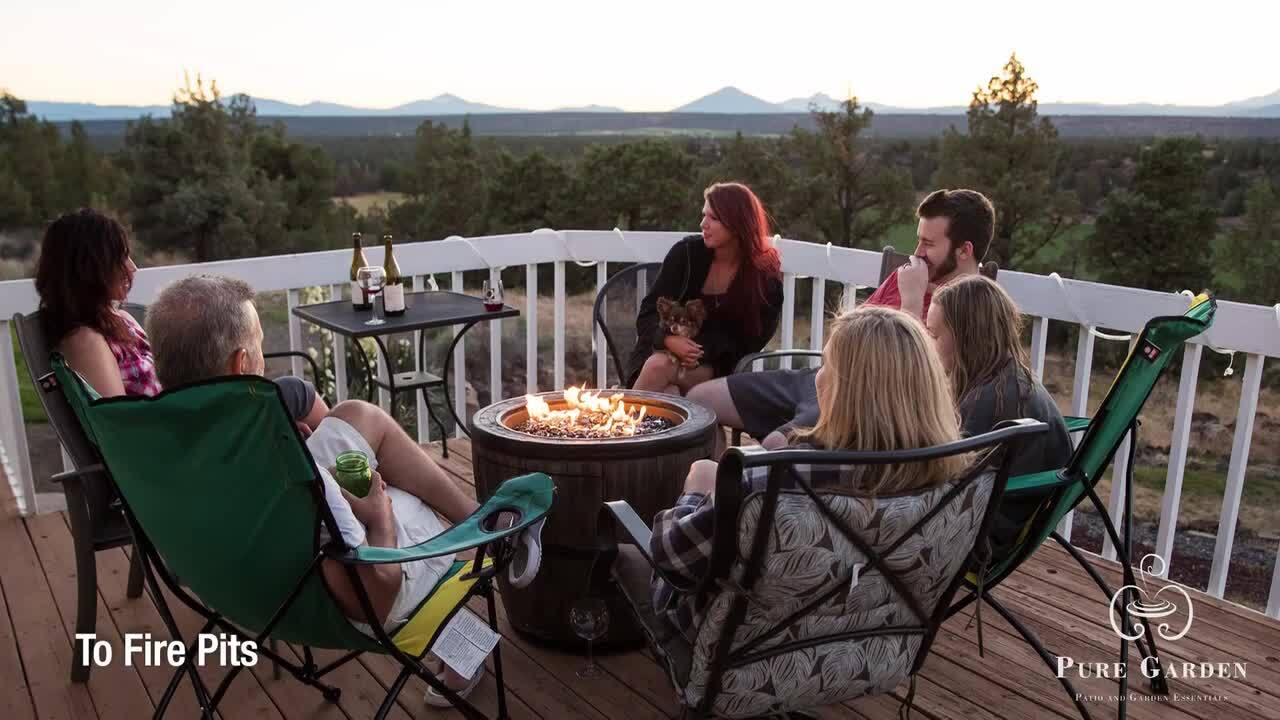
(220, 490)
(1063, 489)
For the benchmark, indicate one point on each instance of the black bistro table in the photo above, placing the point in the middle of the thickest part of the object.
(423, 311)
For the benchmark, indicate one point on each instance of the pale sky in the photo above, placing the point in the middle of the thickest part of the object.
(651, 55)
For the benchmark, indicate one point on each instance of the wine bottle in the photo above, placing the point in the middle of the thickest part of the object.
(359, 298)
(393, 291)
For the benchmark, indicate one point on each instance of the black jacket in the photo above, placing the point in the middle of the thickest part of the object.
(683, 272)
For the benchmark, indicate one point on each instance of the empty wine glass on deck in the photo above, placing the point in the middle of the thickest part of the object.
(492, 294)
(589, 618)
(371, 279)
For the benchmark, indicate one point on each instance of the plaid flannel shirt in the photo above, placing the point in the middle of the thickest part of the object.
(682, 539)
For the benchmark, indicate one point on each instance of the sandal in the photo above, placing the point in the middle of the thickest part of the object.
(528, 556)
(435, 699)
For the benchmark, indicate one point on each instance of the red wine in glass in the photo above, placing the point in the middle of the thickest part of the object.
(492, 296)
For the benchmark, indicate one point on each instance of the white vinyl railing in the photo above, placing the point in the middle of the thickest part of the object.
(1249, 329)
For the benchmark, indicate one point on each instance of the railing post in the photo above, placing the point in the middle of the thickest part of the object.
(1178, 454)
(295, 333)
(1079, 400)
(1119, 478)
(419, 362)
(1039, 340)
(558, 324)
(1235, 476)
(818, 311)
(531, 328)
(788, 315)
(459, 366)
(599, 350)
(1273, 597)
(13, 433)
(495, 346)
(339, 352)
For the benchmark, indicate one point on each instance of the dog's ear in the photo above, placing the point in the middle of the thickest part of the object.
(697, 311)
(665, 306)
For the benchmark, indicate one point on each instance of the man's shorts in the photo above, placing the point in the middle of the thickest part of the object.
(766, 401)
(415, 520)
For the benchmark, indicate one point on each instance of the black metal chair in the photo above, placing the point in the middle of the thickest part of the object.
(615, 309)
(93, 506)
(815, 596)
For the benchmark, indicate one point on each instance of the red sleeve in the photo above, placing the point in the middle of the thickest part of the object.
(887, 293)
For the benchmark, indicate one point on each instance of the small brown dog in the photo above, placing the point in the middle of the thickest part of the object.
(683, 319)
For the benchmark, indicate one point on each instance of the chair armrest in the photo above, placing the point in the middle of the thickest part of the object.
(1035, 481)
(531, 496)
(745, 363)
(315, 368)
(634, 532)
(633, 529)
(1077, 424)
(94, 469)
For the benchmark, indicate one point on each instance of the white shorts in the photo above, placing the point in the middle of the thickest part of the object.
(415, 520)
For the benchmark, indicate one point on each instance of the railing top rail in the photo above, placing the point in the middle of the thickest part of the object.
(1240, 327)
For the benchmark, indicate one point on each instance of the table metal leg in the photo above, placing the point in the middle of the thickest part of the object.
(391, 375)
(448, 360)
(368, 369)
(444, 435)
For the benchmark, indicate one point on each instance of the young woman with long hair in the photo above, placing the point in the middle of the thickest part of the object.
(882, 386)
(733, 268)
(977, 328)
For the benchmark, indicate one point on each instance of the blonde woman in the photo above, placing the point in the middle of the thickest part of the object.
(882, 386)
(977, 328)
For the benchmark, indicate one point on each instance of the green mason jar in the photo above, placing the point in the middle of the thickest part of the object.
(353, 472)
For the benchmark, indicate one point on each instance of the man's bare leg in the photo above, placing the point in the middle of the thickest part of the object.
(693, 377)
(403, 463)
(715, 395)
(657, 375)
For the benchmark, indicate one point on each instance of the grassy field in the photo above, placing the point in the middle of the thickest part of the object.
(364, 202)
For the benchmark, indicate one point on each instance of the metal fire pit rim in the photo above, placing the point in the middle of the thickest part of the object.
(487, 428)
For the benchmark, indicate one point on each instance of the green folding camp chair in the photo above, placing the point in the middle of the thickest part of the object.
(1064, 489)
(220, 490)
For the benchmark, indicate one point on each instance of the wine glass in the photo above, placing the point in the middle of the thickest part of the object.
(371, 279)
(589, 618)
(492, 294)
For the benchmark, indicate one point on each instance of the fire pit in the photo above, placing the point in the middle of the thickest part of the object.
(630, 445)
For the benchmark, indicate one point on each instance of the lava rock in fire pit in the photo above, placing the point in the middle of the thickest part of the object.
(585, 415)
(646, 426)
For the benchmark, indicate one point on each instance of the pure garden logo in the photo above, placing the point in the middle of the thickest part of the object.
(1142, 608)
(1157, 608)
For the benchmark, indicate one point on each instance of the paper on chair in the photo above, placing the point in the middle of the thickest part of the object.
(465, 643)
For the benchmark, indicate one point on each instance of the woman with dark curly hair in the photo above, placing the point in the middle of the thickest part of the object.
(85, 271)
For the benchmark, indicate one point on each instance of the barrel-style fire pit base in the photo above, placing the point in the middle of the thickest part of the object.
(646, 470)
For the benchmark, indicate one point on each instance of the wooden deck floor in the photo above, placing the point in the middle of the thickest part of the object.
(1052, 595)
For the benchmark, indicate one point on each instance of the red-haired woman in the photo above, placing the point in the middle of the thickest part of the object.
(736, 273)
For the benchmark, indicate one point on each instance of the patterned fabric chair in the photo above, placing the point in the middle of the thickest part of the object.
(816, 597)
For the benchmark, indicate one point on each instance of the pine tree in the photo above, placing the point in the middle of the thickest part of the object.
(1010, 154)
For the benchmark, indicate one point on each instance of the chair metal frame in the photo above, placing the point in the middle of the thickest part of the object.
(619, 517)
(497, 546)
(598, 310)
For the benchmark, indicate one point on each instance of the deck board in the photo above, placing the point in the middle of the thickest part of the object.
(1051, 595)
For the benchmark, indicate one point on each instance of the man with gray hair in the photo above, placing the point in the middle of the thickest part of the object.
(206, 326)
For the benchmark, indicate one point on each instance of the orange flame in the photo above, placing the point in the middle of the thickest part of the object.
(588, 412)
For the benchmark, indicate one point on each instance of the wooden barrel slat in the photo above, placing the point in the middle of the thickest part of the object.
(647, 471)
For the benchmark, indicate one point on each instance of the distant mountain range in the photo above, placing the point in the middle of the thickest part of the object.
(727, 100)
